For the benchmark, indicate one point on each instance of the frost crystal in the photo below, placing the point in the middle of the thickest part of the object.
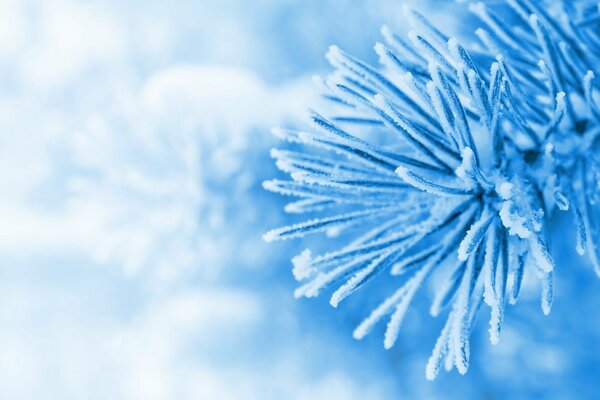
(452, 161)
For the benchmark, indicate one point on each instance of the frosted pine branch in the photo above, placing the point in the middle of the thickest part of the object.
(452, 159)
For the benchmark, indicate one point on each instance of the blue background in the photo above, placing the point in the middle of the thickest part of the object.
(134, 137)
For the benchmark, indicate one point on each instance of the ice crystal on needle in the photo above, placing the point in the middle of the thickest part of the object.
(451, 159)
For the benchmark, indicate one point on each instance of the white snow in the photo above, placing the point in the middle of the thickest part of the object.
(504, 190)
(301, 265)
(515, 223)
